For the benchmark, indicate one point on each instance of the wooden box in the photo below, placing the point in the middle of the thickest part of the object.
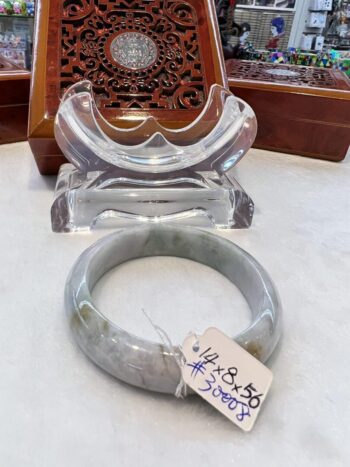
(14, 101)
(168, 74)
(300, 110)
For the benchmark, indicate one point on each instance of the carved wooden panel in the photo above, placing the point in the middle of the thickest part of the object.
(300, 110)
(291, 75)
(91, 37)
(143, 57)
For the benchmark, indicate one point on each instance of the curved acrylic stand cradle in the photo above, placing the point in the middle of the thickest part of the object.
(149, 173)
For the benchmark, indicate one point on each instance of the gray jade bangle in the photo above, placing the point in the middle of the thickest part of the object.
(151, 365)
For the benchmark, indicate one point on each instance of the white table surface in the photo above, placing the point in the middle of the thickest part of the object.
(59, 409)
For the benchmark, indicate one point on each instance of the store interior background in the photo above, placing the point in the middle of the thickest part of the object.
(309, 32)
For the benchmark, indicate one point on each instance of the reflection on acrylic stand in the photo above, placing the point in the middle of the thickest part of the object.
(150, 173)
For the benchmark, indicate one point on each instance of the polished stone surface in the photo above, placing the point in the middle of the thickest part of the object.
(57, 409)
(142, 362)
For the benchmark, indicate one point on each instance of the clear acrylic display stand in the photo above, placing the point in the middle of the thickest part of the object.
(150, 173)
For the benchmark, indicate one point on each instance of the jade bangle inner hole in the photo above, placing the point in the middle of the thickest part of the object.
(179, 295)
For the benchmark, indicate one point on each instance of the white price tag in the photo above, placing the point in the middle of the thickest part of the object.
(226, 376)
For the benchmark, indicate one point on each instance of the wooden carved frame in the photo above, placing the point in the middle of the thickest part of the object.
(60, 60)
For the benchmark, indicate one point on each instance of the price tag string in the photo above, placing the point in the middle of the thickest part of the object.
(181, 390)
(224, 374)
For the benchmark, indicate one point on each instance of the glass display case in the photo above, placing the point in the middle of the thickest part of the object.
(337, 30)
(16, 37)
(298, 32)
(16, 31)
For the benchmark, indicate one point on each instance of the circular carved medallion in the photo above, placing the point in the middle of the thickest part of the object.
(134, 50)
(282, 73)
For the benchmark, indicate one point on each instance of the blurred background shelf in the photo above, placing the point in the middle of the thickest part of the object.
(14, 102)
(16, 38)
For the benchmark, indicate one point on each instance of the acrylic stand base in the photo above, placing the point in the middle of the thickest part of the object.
(84, 201)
